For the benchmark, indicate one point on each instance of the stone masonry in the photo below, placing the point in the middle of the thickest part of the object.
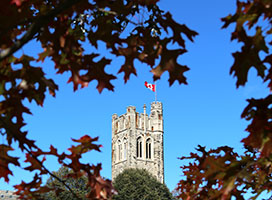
(137, 141)
(7, 195)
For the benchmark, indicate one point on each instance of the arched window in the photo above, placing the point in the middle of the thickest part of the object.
(125, 148)
(148, 148)
(119, 150)
(139, 147)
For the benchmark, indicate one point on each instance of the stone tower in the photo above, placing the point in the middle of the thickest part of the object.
(137, 141)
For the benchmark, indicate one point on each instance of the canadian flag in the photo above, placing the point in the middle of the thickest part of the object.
(150, 86)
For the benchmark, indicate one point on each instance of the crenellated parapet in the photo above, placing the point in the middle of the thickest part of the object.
(142, 121)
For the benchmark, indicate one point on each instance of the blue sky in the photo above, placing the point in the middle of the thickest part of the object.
(206, 111)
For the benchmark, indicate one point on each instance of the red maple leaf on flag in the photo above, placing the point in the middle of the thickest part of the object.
(150, 86)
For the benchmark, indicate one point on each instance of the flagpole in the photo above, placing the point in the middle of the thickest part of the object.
(155, 91)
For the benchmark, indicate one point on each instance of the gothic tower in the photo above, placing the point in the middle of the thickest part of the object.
(137, 141)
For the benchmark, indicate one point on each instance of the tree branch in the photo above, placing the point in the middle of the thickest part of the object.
(40, 163)
(35, 28)
(51, 174)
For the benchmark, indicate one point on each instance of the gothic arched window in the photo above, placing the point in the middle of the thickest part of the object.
(125, 148)
(139, 147)
(119, 150)
(148, 148)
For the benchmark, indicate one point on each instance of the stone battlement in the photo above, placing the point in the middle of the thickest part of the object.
(142, 121)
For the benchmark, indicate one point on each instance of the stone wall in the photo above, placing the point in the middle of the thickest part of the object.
(7, 195)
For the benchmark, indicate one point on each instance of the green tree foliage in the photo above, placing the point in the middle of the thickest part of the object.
(221, 173)
(63, 28)
(78, 185)
(138, 184)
